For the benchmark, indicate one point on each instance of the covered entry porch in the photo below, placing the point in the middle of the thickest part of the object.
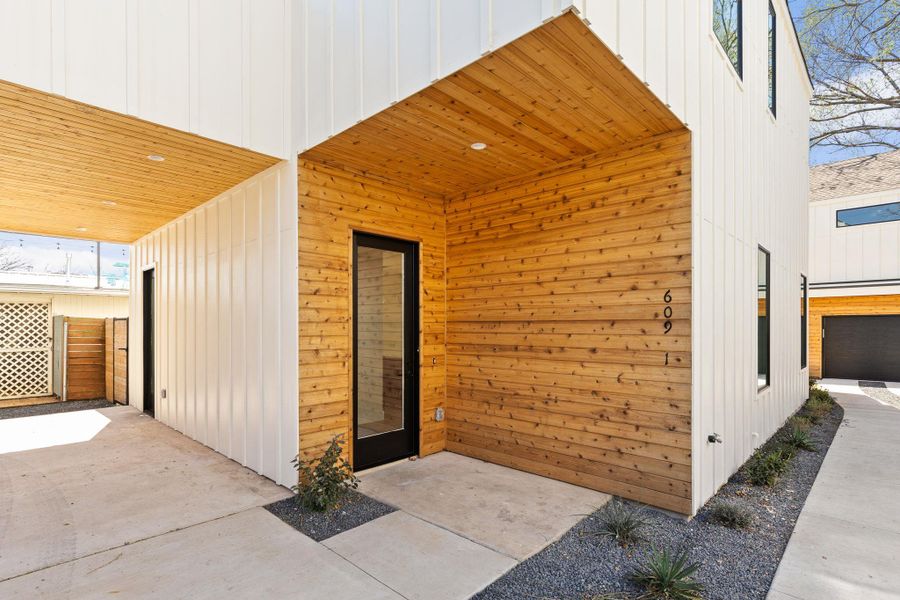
(547, 195)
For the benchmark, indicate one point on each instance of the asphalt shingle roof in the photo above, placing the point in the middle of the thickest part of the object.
(855, 176)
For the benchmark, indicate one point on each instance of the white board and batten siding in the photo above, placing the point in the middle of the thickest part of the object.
(750, 172)
(226, 322)
(862, 253)
(217, 68)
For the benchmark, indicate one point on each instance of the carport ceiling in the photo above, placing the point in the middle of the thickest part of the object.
(554, 94)
(74, 170)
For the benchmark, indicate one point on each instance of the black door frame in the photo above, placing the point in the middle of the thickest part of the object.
(148, 309)
(386, 447)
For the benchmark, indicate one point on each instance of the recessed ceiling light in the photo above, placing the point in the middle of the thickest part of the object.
(108, 202)
(82, 229)
(156, 157)
(478, 146)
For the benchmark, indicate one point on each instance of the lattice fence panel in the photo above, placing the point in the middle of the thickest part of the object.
(25, 349)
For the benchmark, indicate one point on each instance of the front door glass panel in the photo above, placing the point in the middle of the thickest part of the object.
(380, 341)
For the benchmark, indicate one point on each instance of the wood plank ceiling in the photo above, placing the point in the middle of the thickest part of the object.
(552, 95)
(74, 170)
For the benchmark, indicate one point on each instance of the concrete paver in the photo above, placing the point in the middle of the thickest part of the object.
(418, 559)
(512, 512)
(248, 555)
(129, 480)
(846, 543)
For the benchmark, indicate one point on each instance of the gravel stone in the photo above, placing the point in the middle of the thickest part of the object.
(354, 510)
(15, 412)
(878, 390)
(735, 563)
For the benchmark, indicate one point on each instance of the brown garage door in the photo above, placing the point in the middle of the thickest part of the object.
(862, 347)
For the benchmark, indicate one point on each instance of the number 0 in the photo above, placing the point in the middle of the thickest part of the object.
(667, 312)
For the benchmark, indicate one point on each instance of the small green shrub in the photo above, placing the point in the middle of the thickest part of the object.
(817, 393)
(817, 408)
(798, 438)
(668, 576)
(767, 466)
(324, 481)
(800, 422)
(623, 523)
(730, 514)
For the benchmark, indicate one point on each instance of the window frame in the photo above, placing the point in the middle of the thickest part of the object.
(837, 221)
(804, 323)
(768, 289)
(772, 60)
(739, 67)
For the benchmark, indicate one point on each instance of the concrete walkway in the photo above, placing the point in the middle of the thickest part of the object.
(846, 543)
(109, 502)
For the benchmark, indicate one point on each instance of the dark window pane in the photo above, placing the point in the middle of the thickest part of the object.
(727, 26)
(762, 319)
(803, 333)
(772, 59)
(865, 215)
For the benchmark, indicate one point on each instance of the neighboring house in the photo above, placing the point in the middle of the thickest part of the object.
(563, 237)
(854, 268)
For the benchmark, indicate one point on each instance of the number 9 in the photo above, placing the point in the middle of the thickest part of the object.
(668, 326)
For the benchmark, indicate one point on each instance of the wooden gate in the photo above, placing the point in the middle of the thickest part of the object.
(117, 360)
(25, 349)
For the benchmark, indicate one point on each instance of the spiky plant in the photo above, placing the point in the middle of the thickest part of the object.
(623, 523)
(668, 576)
(799, 438)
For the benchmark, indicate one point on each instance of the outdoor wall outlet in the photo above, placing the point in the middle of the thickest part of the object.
(439, 414)
(162, 394)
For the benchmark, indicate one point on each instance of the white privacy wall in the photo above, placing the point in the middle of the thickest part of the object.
(862, 253)
(217, 68)
(226, 322)
(750, 185)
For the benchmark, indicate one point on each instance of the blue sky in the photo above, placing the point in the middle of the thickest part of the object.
(825, 155)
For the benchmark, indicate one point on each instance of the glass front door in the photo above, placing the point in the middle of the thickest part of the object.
(385, 350)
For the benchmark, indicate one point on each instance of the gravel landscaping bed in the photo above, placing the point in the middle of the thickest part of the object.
(14, 412)
(354, 510)
(879, 391)
(735, 563)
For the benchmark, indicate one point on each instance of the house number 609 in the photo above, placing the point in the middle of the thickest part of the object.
(667, 313)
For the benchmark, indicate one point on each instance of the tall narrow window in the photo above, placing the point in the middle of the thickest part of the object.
(727, 25)
(804, 298)
(772, 59)
(762, 319)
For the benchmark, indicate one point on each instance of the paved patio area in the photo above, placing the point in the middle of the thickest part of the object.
(107, 502)
(846, 543)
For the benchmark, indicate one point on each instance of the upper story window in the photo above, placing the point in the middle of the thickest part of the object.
(38, 260)
(866, 215)
(727, 24)
(772, 60)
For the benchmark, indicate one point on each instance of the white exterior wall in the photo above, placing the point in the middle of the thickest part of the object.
(93, 306)
(750, 170)
(861, 253)
(226, 322)
(217, 68)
